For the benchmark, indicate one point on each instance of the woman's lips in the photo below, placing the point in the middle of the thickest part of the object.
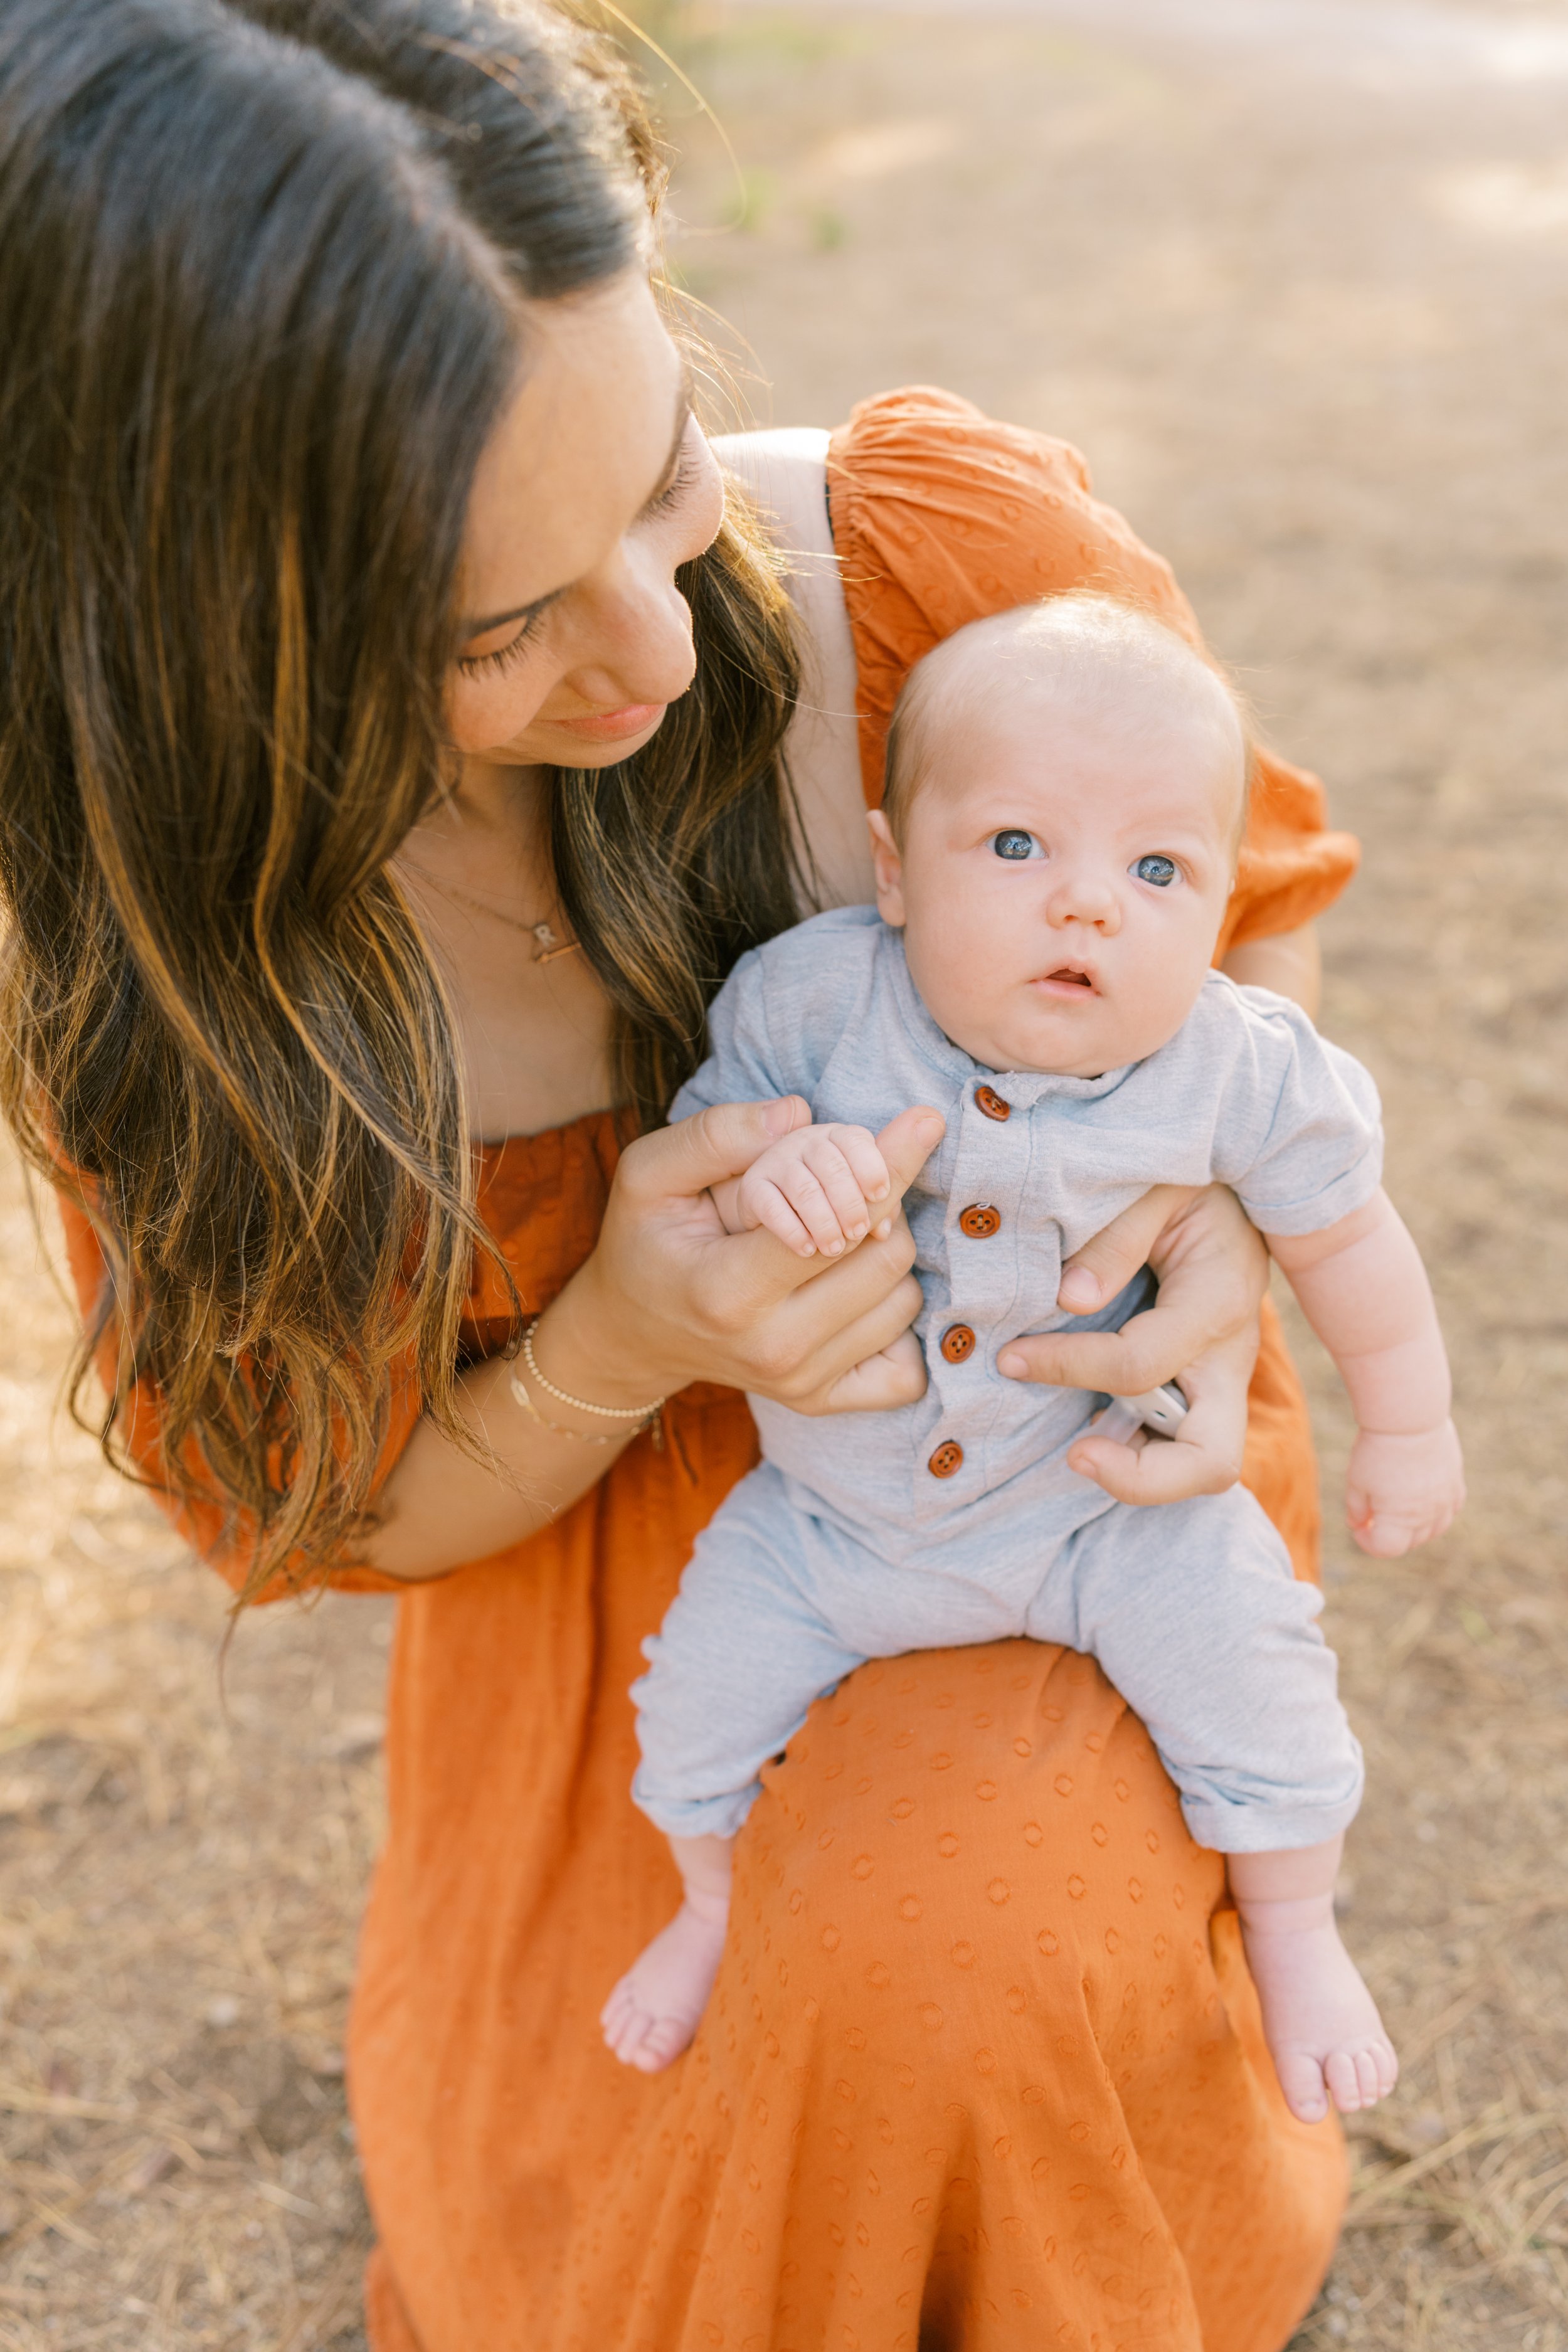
(609, 726)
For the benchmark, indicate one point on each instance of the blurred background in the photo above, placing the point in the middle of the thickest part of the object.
(1292, 274)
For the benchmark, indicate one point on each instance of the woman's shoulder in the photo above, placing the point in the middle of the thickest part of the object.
(941, 515)
(784, 473)
(919, 434)
(962, 515)
(784, 469)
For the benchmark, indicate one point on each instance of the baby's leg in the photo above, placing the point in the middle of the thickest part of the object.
(1321, 2022)
(659, 2004)
(1193, 1611)
(739, 1659)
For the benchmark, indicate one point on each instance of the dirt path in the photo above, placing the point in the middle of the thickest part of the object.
(1292, 273)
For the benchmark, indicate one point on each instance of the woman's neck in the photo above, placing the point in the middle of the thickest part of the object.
(531, 1022)
(490, 825)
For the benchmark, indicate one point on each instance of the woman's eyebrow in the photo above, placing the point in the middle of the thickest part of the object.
(482, 628)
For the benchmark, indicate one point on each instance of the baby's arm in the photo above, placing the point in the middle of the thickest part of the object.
(1365, 1291)
(816, 1190)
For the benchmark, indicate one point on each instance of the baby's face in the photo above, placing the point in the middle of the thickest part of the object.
(1062, 876)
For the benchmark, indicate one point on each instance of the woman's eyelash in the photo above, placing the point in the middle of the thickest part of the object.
(677, 485)
(483, 665)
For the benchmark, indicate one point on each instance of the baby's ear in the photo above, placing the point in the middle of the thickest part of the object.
(890, 867)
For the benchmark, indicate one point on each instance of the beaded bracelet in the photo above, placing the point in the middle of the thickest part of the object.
(647, 1416)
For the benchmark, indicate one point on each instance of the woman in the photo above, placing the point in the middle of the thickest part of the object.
(397, 753)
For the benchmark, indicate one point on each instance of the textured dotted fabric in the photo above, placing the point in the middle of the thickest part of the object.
(982, 2068)
(982, 2071)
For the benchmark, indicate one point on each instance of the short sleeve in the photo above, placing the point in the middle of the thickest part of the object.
(1315, 1150)
(941, 516)
(779, 1017)
(742, 1065)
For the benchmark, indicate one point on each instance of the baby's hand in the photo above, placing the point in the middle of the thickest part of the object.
(1403, 1491)
(815, 1190)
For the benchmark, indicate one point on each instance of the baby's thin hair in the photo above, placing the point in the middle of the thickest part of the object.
(1067, 641)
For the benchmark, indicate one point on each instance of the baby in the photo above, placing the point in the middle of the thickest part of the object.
(1066, 791)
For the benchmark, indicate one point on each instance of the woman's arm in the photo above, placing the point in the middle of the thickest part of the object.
(667, 1297)
(1290, 964)
(785, 473)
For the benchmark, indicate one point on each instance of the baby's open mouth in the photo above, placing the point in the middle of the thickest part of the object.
(1066, 977)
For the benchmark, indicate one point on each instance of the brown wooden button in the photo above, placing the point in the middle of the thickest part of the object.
(948, 1457)
(958, 1343)
(980, 1221)
(992, 1103)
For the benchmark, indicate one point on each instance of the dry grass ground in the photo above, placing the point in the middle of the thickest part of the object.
(1293, 274)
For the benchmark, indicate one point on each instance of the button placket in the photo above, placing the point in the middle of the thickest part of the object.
(990, 1163)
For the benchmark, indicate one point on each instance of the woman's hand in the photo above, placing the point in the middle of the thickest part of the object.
(668, 1297)
(1213, 1271)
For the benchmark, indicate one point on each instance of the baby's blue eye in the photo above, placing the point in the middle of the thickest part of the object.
(1013, 845)
(1160, 871)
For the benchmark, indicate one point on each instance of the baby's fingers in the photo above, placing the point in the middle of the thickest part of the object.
(825, 1195)
(1389, 1535)
(1384, 1539)
(1388, 1525)
(766, 1202)
(865, 1163)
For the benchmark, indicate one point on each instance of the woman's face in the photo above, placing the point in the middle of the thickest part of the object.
(596, 485)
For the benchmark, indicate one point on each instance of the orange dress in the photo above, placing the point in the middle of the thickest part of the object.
(983, 2070)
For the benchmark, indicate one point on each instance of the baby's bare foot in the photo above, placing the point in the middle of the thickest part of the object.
(1321, 2024)
(657, 2006)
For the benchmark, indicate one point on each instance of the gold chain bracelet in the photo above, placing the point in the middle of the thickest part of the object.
(646, 1416)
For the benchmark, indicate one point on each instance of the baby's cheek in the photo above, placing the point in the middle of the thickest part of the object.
(1155, 988)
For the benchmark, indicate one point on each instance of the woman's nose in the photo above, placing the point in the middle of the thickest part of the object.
(634, 644)
(1084, 897)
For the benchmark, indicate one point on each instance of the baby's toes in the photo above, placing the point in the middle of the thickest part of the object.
(1343, 2073)
(665, 2039)
(1301, 2080)
(615, 2009)
(1376, 2072)
(626, 2032)
(1366, 2078)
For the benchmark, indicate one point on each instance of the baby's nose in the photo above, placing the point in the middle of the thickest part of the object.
(1084, 898)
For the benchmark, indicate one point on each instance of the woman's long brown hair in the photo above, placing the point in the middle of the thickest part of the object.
(263, 276)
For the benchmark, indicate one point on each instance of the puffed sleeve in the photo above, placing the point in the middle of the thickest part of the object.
(941, 516)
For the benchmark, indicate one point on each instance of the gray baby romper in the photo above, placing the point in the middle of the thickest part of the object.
(956, 1520)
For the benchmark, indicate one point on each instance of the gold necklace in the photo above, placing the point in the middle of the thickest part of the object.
(548, 942)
